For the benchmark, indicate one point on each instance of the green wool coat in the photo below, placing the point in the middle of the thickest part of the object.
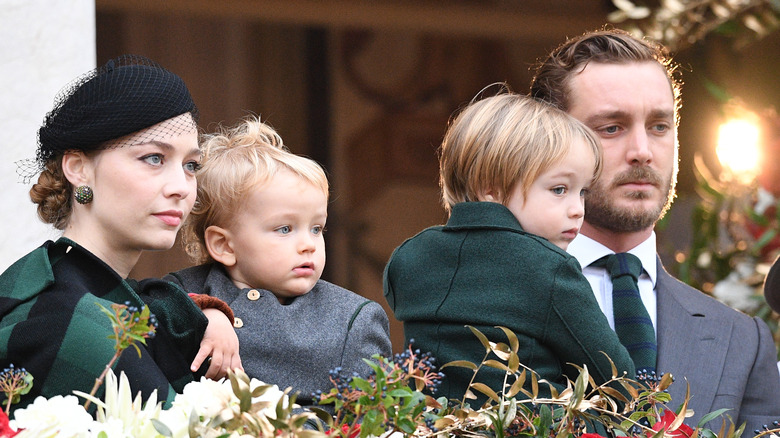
(51, 325)
(482, 269)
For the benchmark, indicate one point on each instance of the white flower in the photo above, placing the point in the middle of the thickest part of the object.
(271, 396)
(121, 415)
(58, 416)
(764, 200)
(206, 398)
(112, 428)
(732, 292)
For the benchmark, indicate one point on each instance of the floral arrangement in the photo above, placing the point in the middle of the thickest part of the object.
(392, 402)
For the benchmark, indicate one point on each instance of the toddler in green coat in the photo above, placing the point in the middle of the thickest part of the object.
(513, 173)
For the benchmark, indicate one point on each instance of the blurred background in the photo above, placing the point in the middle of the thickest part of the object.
(366, 87)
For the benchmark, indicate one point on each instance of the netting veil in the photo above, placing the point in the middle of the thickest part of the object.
(129, 100)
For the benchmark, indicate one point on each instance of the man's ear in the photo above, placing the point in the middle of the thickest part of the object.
(219, 245)
(76, 167)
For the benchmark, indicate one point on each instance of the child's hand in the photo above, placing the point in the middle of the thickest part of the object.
(220, 343)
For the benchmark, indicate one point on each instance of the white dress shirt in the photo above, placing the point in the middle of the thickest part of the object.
(587, 251)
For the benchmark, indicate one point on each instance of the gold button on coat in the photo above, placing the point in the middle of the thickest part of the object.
(253, 294)
(237, 323)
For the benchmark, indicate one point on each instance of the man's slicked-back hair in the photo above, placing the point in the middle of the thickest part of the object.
(551, 81)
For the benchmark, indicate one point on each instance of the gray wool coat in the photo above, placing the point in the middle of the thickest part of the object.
(296, 345)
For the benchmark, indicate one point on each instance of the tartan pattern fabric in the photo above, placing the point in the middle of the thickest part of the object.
(632, 322)
(51, 325)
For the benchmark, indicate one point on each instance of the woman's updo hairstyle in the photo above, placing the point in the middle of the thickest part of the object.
(130, 94)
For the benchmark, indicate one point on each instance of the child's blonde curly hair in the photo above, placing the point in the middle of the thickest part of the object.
(237, 160)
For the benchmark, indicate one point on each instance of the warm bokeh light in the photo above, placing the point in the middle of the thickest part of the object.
(738, 148)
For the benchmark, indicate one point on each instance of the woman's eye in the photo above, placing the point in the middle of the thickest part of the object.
(286, 229)
(583, 192)
(192, 166)
(153, 159)
(558, 190)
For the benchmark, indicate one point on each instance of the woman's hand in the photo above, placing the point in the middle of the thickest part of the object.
(220, 343)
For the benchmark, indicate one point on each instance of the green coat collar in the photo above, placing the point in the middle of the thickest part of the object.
(472, 215)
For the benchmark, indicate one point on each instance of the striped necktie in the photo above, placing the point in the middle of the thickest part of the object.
(632, 322)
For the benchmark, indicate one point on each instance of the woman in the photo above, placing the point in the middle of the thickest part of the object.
(117, 156)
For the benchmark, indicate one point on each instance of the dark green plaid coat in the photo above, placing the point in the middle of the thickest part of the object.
(50, 324)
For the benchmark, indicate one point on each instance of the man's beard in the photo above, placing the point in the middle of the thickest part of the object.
(601, 210)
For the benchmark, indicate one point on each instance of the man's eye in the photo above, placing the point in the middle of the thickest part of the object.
(661, 128)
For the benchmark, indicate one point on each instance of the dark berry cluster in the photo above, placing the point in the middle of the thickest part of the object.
(14, 381)
(649, 378)
(342, 384)
(386, 398)
(12, 373)
(766, 428)
(420, 367)
(135, 315)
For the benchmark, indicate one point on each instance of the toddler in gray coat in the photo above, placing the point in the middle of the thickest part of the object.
(257, 224)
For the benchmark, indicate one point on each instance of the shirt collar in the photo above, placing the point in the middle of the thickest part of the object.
(587, 251)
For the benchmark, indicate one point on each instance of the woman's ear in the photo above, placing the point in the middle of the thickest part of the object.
(219, 245)
(76, 168)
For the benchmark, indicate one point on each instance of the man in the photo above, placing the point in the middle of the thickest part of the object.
(628, 92)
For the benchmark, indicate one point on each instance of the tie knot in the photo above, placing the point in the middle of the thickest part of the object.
(620, 264)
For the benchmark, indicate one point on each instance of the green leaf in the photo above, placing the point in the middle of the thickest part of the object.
(711, 416)
(545, 418)
(400, 392)
(719, 93)
(765, 238)
(161, 428)
(372, 423)
(362, 384)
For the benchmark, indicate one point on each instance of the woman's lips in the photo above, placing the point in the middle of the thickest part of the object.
(170, 218)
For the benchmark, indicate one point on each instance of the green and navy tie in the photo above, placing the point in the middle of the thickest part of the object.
(632, 322)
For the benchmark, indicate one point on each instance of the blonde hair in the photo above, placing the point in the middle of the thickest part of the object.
(235, 161)
(496, 142)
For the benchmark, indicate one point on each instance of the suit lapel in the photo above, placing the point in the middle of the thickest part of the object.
(692, 344)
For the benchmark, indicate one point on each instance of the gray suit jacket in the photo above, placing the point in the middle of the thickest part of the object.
(728, 358)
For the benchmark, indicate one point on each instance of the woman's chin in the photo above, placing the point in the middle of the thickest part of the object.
(161, 244)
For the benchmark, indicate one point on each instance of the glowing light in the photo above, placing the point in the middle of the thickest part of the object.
(738, 148)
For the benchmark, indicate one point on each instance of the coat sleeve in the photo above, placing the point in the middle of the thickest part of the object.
(761, 401)
(579, 332)
(368, 333)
